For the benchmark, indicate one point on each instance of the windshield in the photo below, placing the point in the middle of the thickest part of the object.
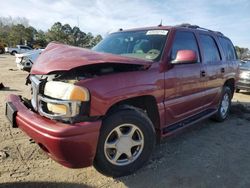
(146, 45)
(245, 64)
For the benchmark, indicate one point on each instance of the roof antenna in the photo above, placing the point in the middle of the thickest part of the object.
(160, 24)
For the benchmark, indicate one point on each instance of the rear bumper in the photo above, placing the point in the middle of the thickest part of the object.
(73, 146)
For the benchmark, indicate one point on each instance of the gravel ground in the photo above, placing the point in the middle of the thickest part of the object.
(208, 154)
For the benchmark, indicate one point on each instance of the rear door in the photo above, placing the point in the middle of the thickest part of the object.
(214, 69)
(230, 57)
(189, 84)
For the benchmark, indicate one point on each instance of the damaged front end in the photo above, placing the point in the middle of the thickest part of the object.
(58, 100)
(57, 96)
(54, 77)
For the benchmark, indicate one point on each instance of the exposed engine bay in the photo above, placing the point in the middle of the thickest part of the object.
(56, 97)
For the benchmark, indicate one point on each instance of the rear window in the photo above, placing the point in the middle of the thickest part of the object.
(210, 49)
(228, 49)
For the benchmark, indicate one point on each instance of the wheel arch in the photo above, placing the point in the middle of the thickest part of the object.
(13, 52)
(146, 103)
(231, 84)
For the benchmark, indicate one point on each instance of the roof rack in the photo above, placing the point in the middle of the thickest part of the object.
(187, 25)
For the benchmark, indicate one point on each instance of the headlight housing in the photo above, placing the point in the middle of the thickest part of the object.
(65, 91)
(62, 101)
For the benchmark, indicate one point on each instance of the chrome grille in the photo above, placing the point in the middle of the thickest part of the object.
(35, 82)
(39, 103)
(72, 108)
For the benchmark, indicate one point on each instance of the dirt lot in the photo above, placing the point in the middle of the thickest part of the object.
(207, 154)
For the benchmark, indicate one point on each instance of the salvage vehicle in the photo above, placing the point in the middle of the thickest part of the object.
(244, 78)
(19, 49)
(110, 105)
(26, 60)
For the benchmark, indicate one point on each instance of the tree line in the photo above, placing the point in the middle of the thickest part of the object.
(243, 53)
(14, 31)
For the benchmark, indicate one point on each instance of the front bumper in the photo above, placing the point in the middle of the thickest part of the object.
(73, 146)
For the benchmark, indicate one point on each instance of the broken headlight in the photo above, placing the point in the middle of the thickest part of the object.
(62, 101)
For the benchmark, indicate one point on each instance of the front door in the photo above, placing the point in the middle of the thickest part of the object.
(188, 82)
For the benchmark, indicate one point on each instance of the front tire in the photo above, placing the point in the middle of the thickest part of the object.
(224, 106)
(126, 141)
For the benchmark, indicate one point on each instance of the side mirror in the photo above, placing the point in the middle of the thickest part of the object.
(185, 56)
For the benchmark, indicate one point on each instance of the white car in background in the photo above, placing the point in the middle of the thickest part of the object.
(25, 61)
(18, 49)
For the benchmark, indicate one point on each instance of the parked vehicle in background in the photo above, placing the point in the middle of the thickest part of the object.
(2, 49)
(108, 106)
(19, 49)
(244, 77)
(26, 60)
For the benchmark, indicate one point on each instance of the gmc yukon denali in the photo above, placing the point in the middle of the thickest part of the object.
(109, 106)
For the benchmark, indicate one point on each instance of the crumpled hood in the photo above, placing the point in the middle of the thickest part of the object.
(60, 57)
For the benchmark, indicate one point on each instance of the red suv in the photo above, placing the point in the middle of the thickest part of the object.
(108, 106)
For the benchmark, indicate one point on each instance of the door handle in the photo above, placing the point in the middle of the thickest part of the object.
(222, 70)
(203, 73)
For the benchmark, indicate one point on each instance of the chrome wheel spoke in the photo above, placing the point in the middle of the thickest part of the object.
(118, 132)
(224, 104)
(129, 154)
(132, 132)
(136, 143)
(111, 145)
(116, 157)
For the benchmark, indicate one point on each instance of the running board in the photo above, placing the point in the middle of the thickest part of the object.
(189, 121)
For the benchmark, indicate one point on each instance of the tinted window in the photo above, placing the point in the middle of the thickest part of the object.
(24, 47)
(228, 48)
(210, 49)
(184, 41)
(147, 44)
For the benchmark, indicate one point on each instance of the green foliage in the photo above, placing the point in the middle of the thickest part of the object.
(242, 53)
(16, 31)
(73, 36)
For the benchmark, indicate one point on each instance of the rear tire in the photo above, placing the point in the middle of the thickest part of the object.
(126, 141)
(237, 90)
(224, 106)
(1, 51)
(13, 53)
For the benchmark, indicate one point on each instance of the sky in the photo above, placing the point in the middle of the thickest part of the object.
(231, 17)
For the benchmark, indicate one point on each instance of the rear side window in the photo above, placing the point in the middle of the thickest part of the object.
(210, 49)
(26, 48)
(228, 49)
(184, 40)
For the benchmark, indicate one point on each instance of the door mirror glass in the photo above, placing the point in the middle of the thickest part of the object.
(185, 56)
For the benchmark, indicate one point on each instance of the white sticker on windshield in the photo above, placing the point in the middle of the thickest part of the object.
(157, 32)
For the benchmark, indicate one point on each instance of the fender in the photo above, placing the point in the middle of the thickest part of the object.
(110, 89)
